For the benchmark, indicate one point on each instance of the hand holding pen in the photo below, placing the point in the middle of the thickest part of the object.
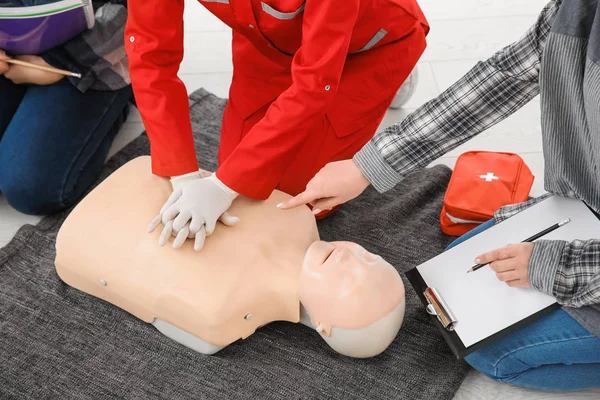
(511, 262)
(31, 70)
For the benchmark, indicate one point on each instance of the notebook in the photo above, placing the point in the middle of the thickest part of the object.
(482, 307)
(36, 29)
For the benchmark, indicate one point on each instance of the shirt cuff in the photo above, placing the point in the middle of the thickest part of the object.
(543, 264)
(56, 60)
(375, 168)
(173, 162)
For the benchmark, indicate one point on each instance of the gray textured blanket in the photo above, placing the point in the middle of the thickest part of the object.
(59, 343)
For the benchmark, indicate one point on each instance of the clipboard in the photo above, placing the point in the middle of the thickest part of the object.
(442, 309)
(445, 321)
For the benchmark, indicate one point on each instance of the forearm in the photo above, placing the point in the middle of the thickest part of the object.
(569, 271)
(264, 155)
(493, 90)
(155, 52)
(479, 100)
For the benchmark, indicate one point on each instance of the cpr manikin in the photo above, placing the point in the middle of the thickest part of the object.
(269, 267)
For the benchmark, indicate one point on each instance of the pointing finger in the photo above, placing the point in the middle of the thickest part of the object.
(297, 201)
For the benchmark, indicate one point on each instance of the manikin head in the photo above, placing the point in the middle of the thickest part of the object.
(355, 299)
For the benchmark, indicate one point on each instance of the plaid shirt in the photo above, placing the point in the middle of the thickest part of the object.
(97, 54)
(493, 90)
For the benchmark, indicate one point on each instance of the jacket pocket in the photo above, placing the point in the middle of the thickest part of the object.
(378, 37)
(283, 16)
(282, 27)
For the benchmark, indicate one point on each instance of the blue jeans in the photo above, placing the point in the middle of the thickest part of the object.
(553, 353)
(54, 141)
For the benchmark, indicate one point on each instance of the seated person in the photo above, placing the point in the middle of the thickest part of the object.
(256, 272)
(558, 57)
(56, 132)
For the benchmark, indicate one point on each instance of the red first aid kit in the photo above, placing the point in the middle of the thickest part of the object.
(481, 183)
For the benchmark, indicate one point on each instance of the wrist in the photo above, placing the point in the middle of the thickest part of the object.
(362, 179)
(232, 194)
(373, 166)
(178, 180)
(543, 264)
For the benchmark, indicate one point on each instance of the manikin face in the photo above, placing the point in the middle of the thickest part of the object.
(343, 285)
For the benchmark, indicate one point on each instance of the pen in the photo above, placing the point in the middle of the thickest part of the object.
(40, 67)
(531, 239)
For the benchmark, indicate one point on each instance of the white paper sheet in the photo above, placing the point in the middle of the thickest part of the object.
(480, 302)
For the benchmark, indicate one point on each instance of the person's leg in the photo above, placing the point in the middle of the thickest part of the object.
(553, 353)
(471, 233)
(10, 98)
(56, 144)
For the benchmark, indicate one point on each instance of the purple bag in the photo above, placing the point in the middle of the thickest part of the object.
(38, 28)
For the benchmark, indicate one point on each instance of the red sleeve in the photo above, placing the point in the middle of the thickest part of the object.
(154, 44)
(264, 154)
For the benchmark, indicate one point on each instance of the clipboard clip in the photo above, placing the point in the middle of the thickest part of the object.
(437, 306)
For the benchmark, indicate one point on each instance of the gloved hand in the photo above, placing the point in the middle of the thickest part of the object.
(193, 209)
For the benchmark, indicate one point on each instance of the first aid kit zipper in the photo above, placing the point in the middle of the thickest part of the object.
(462, 221)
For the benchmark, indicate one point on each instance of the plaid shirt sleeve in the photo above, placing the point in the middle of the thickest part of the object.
(97, 54)
(490, 92)
(569, 271)
(513, 209)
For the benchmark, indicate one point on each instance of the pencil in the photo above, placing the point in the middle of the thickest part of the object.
(531, 239)
(41, 67)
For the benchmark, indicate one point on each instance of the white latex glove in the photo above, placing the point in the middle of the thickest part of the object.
(193, 209)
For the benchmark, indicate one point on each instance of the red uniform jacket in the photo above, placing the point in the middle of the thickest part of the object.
(305, 59)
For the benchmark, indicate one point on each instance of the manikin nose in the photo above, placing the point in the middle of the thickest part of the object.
(353, 263)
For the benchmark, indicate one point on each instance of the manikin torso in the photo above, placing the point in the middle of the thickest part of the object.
(269, 267)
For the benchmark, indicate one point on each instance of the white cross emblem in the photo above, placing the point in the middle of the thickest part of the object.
(489, 177)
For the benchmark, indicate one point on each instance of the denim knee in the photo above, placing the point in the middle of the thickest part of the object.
(502, 369)
(33, 195)
(483, 364)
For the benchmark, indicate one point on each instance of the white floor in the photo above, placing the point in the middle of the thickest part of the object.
(463, 32)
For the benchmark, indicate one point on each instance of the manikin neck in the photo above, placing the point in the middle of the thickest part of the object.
(305, 318)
